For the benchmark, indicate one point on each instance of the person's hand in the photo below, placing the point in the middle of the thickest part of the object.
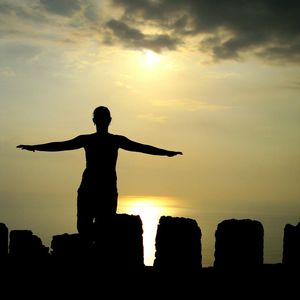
(174, 153)
(26, 147)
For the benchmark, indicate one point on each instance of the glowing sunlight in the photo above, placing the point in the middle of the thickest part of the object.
(151, 58)
(150, 209)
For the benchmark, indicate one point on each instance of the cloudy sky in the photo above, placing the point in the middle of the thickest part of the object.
(217, 80)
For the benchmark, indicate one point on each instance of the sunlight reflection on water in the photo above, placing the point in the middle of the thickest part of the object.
(150, 209)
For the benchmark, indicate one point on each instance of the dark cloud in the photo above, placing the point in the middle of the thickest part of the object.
(224, 29)
(62, 7)
(90, 13)
(124, 32)
(27, 13)
(133, 38)
(229, 29)
(52, 20)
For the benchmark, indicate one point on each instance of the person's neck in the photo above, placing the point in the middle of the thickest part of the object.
(102, 130)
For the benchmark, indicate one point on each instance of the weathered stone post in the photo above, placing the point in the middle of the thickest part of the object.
(3, 242)
(291, 246)
(239, 244)
(178, 244)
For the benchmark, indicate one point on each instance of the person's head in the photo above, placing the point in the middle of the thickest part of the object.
(101, 116)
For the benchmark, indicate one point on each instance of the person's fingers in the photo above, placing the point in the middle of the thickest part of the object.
(174, 153)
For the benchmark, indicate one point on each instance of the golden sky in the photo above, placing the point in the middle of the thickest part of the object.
(217, 80)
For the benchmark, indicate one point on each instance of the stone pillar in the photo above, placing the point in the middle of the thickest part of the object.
(3, 241)
(24, 245)
(178, 244)
(239, 244)
(291, 246)
(127, 243)
(116, 245)
(66, 246)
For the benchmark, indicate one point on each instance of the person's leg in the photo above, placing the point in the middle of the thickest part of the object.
(85, 218)
(105, 228)
(105, 212)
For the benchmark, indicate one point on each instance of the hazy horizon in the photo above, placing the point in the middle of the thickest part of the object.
(217, 80)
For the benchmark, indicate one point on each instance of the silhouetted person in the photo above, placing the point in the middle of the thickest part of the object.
(98, 193)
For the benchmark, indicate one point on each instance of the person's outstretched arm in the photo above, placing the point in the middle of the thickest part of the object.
(72, 144)
(129, 145)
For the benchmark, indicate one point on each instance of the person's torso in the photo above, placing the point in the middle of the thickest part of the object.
(101, 152)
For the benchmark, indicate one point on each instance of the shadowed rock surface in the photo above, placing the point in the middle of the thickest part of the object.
(291, 246)
(239, 244)
(67, 247)
(178, 244)
(127, 248)
(23, 244)
(3, 241)
(68, 272)
(120, 245)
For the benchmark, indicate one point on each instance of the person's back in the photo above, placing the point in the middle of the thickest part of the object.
(101, 152)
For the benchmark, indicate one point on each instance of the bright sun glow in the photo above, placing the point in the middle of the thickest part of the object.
(150, 209)
(151, 58)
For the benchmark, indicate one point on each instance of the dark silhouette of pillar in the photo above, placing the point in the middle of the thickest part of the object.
(178, 244)
(127, 243)
(291, 246)
(239, 244)
(67, 246)
(24, 245)
(3, 241)
(117, 244)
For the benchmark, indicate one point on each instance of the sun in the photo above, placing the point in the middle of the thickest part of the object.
(151, 58)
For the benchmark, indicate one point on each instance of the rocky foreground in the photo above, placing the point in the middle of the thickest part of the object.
(88, 279)
(112, 266)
